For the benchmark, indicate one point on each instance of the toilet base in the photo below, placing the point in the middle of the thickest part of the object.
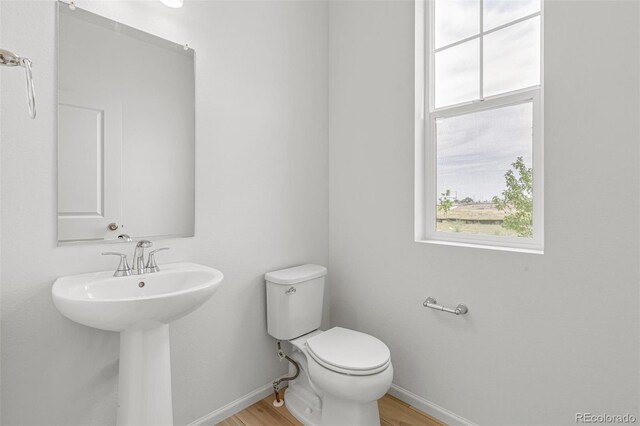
(305, 406)
(339, 412)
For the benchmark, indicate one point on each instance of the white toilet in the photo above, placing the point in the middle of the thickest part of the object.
(343, 372)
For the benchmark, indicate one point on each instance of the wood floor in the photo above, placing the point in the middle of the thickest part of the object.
(393, 412)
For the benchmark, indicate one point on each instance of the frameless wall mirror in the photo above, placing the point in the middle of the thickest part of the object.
(126, 133)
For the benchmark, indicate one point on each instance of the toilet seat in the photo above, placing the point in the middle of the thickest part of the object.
(349, 352)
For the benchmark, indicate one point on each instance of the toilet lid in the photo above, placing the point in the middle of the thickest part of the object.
(342, 349)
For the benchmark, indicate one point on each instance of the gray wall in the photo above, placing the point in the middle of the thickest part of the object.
(261, 204)
(547, 335)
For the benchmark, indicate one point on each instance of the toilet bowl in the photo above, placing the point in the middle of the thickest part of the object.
(343, 374)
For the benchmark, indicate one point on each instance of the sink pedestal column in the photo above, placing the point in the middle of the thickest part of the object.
(144, 386)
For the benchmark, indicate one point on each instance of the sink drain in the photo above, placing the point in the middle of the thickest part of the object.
(141, 284)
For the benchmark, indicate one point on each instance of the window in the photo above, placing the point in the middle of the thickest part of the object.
(479, 159)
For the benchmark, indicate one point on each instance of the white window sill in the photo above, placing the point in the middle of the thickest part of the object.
(482, 246)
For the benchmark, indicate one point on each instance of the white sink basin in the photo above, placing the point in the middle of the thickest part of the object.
(100, 300)
(140, 307)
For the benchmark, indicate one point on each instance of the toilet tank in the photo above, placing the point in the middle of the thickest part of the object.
(294, 300)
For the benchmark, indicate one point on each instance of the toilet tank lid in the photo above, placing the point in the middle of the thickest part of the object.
(296, 275)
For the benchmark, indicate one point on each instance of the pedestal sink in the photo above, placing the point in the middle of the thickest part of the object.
(140, 307)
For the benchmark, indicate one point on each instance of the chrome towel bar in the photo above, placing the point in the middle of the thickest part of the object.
(432, 303)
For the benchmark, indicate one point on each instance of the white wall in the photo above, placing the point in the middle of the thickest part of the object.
(261, 204)
(0, 233)
(547, 335)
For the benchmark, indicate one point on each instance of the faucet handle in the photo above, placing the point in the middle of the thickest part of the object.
(124, 270)
(152, 266)
(160, 249)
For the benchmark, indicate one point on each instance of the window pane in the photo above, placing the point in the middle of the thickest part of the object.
(455, 20)
(457, 74)
(512, 58)
(499, 12)
(475, 152)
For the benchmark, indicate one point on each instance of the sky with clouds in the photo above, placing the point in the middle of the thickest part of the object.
(475, 150)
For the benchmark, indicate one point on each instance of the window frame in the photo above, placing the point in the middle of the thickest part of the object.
(426, 195)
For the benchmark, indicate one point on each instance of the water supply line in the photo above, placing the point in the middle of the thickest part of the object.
(276, 383)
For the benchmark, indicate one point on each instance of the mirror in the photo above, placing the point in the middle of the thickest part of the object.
(126, 131)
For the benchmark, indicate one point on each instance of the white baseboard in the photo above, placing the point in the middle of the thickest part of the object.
(234, 406)
(429, 407)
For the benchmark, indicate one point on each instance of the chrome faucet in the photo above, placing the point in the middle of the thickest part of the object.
(138, 256)
(139, 266)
